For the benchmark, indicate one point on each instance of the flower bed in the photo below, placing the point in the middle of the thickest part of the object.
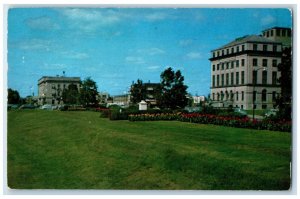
(231, 121)
(154, 117)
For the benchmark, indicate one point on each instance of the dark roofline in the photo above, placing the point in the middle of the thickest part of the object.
(56, 77)
(232, 43)
(277, 27)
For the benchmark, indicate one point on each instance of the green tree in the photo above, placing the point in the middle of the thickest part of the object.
(174, 92)
(137, 92)
(88, 93)
(71, 95)
(13, 96)
(284, 101)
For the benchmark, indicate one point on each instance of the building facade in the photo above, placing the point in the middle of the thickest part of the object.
(50, 88)
(244, 72)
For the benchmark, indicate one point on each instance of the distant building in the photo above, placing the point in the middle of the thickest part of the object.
(151, 92)
(50, 88)
(198, 99)
(121, 100)
(244, 72)
(103, 97)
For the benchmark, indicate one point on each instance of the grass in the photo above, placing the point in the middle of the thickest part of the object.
(80, 150)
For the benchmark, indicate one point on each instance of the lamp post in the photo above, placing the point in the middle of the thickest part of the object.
(254, 83)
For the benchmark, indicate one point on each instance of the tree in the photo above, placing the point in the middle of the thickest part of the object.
(284, 101)
(13, 96)
(138, 92)
(174, 92)
(88, 92)
(71, 95)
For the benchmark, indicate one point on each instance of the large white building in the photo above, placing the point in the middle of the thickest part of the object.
(244, 72)
(50, 88)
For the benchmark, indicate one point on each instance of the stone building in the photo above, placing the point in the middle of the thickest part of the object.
(244, 72)
(50, 88)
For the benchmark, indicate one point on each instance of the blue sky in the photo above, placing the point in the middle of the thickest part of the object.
(115, 46)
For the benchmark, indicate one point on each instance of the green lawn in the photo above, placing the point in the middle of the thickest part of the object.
(80, 150)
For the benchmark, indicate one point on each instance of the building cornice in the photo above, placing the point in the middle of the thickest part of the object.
(250, 53)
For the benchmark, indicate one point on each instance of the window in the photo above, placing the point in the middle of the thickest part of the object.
(213, 67)
(232, 64)
(272, 33)
(218, 80)
(213, 78)
(265, 63)
(213, 54)
(237, 96)
(227, 51)
(243, 77)
(274, 62)
(222, 80)
(274, 77)
(265, 47)
(213, 96)
(226, 95)
(218, 66)
(264, 106)
(268, 34)
(232, 50)
(243, 47)
(237, 49)
(255, 47)
(227, 65)
(254, 62)
(242, 106)
(222, 66)
(264, 95)
(222, 52)
(254, 96)
(254, 77)
(289, 33)
(237, 63)
(222, 95)
(274, 96)
(277, 32)
(237, 77)
(264, 77)
(243, 96)
(227, 79)
(218, 96)
(231, 78)
(243, 62)
(231, 95)
(218, 53)
(283, 32)
(274, 48)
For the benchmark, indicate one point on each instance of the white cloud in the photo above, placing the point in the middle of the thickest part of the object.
(156, 16)
(153, 67)
(194, 55)
(151, 51)
(267, 20)
(74, 55)
(32, 44)
(135, 60)
(42, 23)
(90, 15)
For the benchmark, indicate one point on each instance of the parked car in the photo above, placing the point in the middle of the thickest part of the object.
(46, 107)
(27, 106)
(271, 112)
(240, 112)
(12, 106)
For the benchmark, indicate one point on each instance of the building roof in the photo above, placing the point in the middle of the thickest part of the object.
(58, 78)
(276, 27)
(248, 39)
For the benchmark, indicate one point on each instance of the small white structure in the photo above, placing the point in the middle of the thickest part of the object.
(143, 105)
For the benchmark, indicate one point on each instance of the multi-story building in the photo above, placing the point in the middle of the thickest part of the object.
(151, 92)
(244, 72)
(50, 88)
